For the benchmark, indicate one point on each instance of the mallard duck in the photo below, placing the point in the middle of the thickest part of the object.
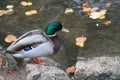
(37, 43)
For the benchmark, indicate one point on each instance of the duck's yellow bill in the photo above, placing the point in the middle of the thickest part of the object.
(65, 30)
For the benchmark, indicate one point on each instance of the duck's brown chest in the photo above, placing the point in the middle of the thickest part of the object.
(56, 43)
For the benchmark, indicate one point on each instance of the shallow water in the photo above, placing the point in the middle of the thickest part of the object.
(102, 40)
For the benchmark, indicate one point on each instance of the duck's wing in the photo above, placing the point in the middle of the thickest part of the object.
(29, 38)
(41, 50)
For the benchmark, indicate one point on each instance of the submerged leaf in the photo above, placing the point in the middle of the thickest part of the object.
(108, 4)
(68, 10)
(80, 41)
(107, 22)
(10, 38)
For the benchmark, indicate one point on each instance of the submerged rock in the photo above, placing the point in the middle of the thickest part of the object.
(40, 72)
(98, 68)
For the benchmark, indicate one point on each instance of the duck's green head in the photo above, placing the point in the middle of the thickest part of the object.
(53, 27)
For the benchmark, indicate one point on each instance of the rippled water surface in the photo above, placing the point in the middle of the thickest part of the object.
(102, 40)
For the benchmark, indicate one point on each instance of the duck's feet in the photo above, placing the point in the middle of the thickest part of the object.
(38, 61)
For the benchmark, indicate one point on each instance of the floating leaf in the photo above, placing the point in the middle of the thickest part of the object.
(9, 6)
(94, 9)
(68, 10)
(23, 3)
(101, 17)
(80, 41)
(90, 10)
(71, 69)
(103, 11)
(98, 15)
(108, 4)
(10, 38)
(107, 22)
(29, 3)
(84, 4)
(10, 11)
(86, 9)
(2, 12)
(28, 13)
(95, 15)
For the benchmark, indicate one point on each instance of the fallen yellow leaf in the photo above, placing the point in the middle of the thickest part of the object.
(68, 10)
(10, 38)
(80, 41)
(29, 3)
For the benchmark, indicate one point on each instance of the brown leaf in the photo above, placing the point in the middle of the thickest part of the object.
(23, 3)
(68, 10)
(98, 15)
(80, 41)
(84, 4)
(31, 12)
(107, 22)
(86, 9)
(10, 38)
(71, 69)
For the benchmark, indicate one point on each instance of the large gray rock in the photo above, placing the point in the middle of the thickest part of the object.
(98, 68)
(31, 71)
(40, 72)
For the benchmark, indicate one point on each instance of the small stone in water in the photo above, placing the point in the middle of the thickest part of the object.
(97, 24)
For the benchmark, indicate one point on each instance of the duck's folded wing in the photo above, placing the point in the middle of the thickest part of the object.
(29, 38)
(41, 50)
